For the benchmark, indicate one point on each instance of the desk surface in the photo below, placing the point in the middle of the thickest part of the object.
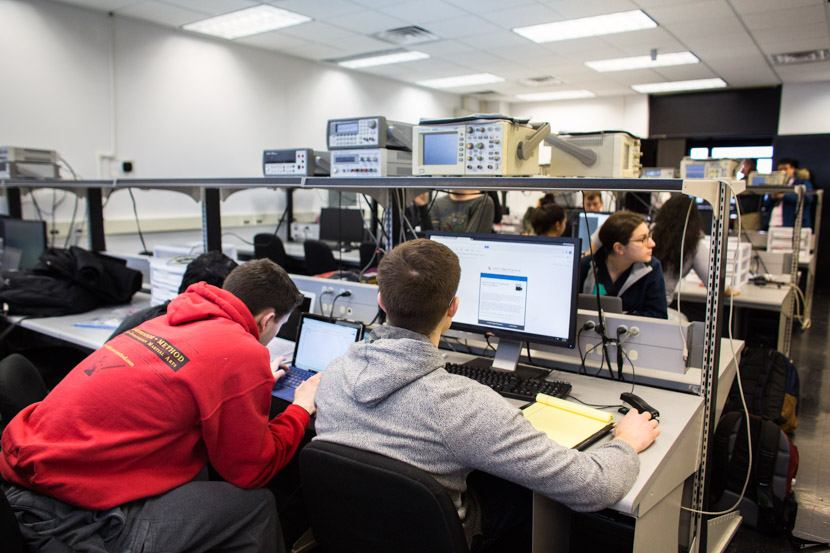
(71, 327)
(770, 297)
(674, 455)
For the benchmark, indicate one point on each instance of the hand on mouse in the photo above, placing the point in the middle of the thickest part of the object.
(637, 430)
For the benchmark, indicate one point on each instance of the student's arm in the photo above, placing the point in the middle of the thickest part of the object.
(484, 432)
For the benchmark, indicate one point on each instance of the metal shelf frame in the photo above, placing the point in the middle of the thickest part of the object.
(388, 190)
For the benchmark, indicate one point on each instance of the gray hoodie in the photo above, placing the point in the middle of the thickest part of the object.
(392, 396)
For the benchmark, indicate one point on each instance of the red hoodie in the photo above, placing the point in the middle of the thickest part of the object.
(147, 411)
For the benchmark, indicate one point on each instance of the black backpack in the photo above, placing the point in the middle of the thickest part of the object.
(769, 503)
(771, 387)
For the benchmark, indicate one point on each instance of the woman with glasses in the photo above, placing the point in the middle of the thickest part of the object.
(624, 266)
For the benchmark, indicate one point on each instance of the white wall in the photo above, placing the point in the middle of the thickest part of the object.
(621, 113)
(805, 108)
(183, 105)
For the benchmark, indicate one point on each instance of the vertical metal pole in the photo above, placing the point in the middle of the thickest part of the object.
(289, 212)
(392, 218)
(711, 359)
(211, 220)
(790, 308)
(15, 206)
(97, 240)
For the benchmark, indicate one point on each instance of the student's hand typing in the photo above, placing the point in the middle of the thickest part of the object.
(637, 429)
(278, 368)
(304, 394)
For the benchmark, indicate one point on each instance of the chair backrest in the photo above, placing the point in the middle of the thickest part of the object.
(318, 257)
(270, 246)
(358, 501)
(20, 385)
(367, 252)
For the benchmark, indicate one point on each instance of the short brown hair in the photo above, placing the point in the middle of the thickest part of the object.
(262, 284)
(417, 281)
(544, 218)
(591, 194)
(619, 227)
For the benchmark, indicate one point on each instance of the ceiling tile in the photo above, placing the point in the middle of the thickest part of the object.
(782, 45)
(318, 32)
(458, 27)
(322, 10)
(803, 73)
(589, 8)
(713, 10)
(445, 49)
(367, 22)
(780, 19)
(521, 16)
(754, 6)
(164, 14)
(423, 11)
(484, 6)
(275, 40)
(211, 7)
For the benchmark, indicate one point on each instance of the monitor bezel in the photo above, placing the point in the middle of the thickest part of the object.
(516, 335)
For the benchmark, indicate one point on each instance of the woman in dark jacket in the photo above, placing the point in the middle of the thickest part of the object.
(625, 266)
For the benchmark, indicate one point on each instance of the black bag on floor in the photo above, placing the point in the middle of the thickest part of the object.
(769, 503)
(771, 387)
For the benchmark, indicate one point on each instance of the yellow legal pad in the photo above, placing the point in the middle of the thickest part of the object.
(567, 423)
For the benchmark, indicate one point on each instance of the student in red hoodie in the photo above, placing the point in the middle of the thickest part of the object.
(114, 458)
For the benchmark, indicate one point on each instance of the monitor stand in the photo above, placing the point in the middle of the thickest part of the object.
(507, 359)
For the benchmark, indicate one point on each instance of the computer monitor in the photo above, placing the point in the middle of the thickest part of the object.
(288, 331)
(341, 225)
(583, 231)
(27, 236)
(519, 288)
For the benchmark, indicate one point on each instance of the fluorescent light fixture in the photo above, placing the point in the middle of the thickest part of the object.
(699, 153)
(461, 80)
(380, 58)
(247, 22)
(674, 86)
(643, 62)
(608, 24)
(741, 152)
(559, 95)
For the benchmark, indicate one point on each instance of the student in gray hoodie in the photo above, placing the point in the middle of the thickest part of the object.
(392, 396)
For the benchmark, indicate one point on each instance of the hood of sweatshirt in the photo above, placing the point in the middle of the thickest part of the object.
(202, 301)
(370, 376)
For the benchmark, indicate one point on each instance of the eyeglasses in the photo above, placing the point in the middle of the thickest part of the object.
(644, 240)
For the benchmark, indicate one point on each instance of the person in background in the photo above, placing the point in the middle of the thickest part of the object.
(211, 267)
(463, 211)
(549, 220)
(391, 395)
(115, 457)
(668, 236)
(749, 204)
(780, 209)
(592, 201)
(547, 198)
(625, 266)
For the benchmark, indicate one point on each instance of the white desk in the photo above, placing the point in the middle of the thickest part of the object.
(65, 327)
(773, 298)
(653, 503)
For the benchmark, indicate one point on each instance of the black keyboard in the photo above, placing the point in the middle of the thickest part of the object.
(510, 384)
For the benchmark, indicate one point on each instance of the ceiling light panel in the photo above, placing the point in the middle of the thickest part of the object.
(247, 22)
(381, 58)
(643, 62)
(611, 23)
(462, 80)
(675, 86)
(558, 95)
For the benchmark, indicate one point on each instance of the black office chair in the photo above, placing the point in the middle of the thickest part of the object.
(362, 502)
(20, 385)
(268, 245)
(318, 257)
(367, 251)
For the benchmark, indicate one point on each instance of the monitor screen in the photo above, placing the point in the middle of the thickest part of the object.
(27, 236)
(341, 225)
(696, 171)
(440, 148)
(584, 231)
(517, 287)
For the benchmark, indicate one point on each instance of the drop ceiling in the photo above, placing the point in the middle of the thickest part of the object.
(733, 39)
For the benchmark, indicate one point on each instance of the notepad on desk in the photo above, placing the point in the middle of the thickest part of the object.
(567, 423)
